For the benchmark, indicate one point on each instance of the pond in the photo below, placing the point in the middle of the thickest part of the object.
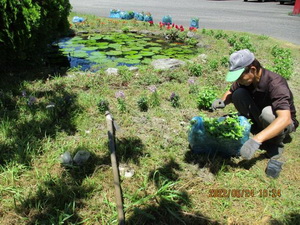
(96, 51)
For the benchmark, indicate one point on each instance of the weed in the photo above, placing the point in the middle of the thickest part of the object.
(121, 101)
(174, 99)
(195, 69)
(283, 62)
(205, 98)
(103, 105)
(143, 104)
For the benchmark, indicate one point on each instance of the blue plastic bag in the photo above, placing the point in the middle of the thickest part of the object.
(77, 19)
(114, 14)
(148, 18)
(139, 16)
(194, 22)
(167, 20)
(202, 142)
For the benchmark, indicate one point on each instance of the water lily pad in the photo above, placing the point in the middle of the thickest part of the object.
(155, 48)
(153, 44)
(98, 54)
(136, 48)
(147, 61)
(115, 46)
(97, 37)
(144, 53)
(89, 48)
(160, 57)
(130, 52)
(80, 54)
(129, 61)
(114, 53)
(133, 56)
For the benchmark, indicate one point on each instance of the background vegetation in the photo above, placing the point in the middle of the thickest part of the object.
(46, 112)
(27, 26)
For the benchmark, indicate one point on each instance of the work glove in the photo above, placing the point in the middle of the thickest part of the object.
(248, 149)
(217, 104)
(273, 168)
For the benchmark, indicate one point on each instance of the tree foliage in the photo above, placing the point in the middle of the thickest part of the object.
(27, 26)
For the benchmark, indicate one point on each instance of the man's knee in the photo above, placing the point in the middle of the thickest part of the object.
(267, 116)
(240, 95)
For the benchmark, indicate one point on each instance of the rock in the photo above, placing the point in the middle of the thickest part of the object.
(126, 171)
(81, 157)
(203, 57)
(66, 158)
(133, 69)
(165, 64)
(112, 71)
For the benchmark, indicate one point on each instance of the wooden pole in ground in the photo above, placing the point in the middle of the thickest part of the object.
(112, 147)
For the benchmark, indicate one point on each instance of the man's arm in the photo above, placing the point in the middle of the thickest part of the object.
(226, 98)
(278, 125)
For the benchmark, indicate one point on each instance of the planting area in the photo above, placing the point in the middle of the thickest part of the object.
(94, 51)
(48, 111)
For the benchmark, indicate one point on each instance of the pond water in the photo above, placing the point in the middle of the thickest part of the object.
(95, 51)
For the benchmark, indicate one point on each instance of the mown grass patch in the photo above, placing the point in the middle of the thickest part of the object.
(45, 113)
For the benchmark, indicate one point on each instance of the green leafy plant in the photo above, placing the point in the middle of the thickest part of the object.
(195, 69)
(193, 87)
(225, 127)
(103, 105)
(205, 97)
(174, 99)
(283, 62)
(121, 101)
(213, 64)
(143, 104)
(154, 97)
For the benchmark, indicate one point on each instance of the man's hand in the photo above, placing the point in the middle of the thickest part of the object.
(248, 149)
(217, 104)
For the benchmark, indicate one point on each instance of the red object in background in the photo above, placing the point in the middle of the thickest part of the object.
(296, 7)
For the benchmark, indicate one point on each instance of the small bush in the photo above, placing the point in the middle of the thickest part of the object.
(205, 98)
(143, 104)
(195, 69)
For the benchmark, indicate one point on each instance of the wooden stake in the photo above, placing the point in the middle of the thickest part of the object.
(112, 147)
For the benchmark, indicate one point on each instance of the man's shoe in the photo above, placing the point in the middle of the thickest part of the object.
(287, 139)
(274, 168)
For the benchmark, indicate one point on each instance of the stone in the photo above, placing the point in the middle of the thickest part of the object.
(112, 71)
(165, 64)
(133, 68)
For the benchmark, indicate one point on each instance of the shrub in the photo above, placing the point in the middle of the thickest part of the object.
(283, 62)
(143, 104)
(27, 27)
(205, 97)
(195, 69)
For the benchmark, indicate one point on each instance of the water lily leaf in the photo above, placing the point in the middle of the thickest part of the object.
(155, 48)
(80, 54)
(153, 44)
(144, 53)
(147, 61)
(89, 48)
(136, 48)
(160, 57)
(98, 54)
(133, 56)
(115, 46)
(130, 52)
(113, 53)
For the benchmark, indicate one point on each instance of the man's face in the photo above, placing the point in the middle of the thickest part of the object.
(246, 78)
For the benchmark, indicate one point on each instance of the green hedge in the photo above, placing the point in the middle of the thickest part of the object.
(27, 26)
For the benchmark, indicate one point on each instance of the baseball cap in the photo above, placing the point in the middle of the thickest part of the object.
(237, 63)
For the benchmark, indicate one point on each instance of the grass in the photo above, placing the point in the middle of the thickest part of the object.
(171, 185)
